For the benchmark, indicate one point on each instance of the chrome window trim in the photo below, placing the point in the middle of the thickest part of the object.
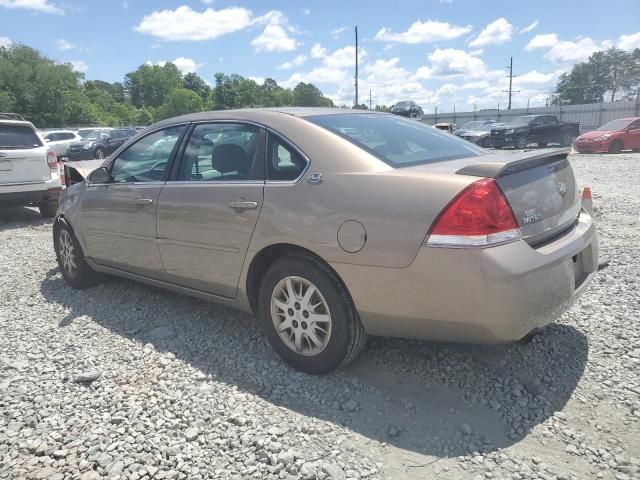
(113, 184)
(297, 149)
(214, 182)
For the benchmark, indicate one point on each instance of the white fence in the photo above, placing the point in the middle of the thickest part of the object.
(590, 116)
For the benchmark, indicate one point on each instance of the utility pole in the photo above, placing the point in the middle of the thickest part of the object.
(511, 75)
(369, 99)
(356, 81)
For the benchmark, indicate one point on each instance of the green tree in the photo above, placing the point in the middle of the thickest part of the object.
(308, 95)
(193, 82)
(180, 102)
(610, 75)
(150, 85)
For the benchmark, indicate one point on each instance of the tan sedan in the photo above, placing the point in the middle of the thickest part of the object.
(332, 224)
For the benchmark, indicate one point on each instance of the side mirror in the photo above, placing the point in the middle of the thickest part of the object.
(100, 175)
(104, 136)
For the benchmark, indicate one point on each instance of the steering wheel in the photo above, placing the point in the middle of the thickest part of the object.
(157, 170)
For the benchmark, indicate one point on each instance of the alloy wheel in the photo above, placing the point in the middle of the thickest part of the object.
(301, 316)
(67, 253)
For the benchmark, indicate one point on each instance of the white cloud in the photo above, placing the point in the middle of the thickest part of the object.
(318, 51)
(258, 80)
(5, 42)
(564, 50)
(476, 53)
(530, 27)
(43, 6)
(307, 11)
(207, 2)
(449, 62)
(185, 65)
(498, 31)
(629, 42)
(78, 65)
(296, 62)
(275, 36)
(535, 77)
(184, 23)
(335, 33)
(424, 32)
(63, 45)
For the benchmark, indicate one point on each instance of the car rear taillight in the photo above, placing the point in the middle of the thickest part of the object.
(479, 216)
(52, 160)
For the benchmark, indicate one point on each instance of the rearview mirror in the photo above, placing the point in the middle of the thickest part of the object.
(100, 175)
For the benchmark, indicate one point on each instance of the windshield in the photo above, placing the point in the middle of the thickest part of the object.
(489, 126)
(85, 132)
(403, 104)
(471, 125)
(395, 141)
(94, 135)
(18, 137)
(614, 125)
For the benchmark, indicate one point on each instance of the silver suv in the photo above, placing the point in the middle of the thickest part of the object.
(29, 170)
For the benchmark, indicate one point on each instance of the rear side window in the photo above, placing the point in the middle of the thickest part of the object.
(283, 161)
(396, 141)
(18, 137)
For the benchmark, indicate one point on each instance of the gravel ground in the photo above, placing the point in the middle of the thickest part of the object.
(127, 381)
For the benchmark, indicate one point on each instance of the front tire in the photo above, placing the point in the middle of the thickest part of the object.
(48, 209)
(521, 143)
(308, 315)
(566, 140)
(75, 270)
(99, 154)
(615, 147)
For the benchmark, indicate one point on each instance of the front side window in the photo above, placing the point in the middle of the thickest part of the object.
(283, 161)
(396, 141)
(221, 152)
(148, 158)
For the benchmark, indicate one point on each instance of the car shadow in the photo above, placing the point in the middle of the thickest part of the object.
(12, 218)
(425, 397)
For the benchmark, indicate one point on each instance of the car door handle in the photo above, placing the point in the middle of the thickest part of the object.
(142, 201)
(243, 205)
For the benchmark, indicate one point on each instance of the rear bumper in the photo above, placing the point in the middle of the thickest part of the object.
(29, 197)
(492, 295)
(81, 155)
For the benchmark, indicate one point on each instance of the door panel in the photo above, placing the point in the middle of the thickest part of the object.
(119, 229)
(203, 240)
(207, 216)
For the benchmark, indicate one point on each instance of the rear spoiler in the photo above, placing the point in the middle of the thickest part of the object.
(76, 172)
(506, 164)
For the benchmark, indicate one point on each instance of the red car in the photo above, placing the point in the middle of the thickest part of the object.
(612, 137)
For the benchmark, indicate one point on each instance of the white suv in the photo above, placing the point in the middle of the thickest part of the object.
(29, 170)
(59, 140)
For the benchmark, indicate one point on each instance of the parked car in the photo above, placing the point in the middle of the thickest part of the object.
(446, 127)
(481, 135)
(539, 129)
(59, 140)
(407, 108)
(272, 211)
(99, 144)
(473, 126)
(29, 169)
(612, 137)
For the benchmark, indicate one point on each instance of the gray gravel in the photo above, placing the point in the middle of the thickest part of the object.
(126, 381)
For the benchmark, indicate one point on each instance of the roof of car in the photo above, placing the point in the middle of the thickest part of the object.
(17, 122)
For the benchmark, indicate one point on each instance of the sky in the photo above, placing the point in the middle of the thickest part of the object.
(439, 53)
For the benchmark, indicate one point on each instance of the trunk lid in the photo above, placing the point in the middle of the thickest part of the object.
(23, 157)
(539, 185)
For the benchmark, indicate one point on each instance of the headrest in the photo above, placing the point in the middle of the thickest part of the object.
(229, 157)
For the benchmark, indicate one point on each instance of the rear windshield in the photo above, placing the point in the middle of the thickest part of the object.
(396, 141)
(18, 137)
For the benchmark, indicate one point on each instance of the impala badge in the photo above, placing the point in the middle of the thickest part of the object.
(2, 154)
(531, 216)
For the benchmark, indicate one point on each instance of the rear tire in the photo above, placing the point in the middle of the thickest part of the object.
(99, 154)
(75, 270)
(320, 346)
(484, 143)
(521, 143)
(615, 147)
(48, 209)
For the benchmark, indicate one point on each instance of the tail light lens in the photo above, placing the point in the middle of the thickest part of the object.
(479, 216)
(52, 160)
